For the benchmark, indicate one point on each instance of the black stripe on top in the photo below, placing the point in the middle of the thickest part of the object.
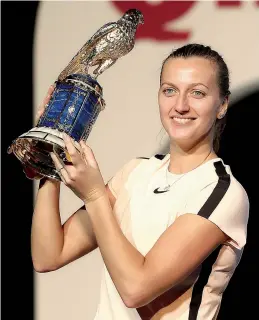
(201, 283)
(218, 192)
(160, 156)
(206, 210)
(157, 156)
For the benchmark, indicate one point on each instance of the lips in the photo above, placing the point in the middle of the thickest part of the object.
(182, 120)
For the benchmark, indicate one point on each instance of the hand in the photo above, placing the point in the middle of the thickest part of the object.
(44, 103)
(83, 176)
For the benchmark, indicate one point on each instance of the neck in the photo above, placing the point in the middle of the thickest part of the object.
(184, 159)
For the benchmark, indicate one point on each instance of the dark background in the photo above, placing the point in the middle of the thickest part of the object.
(238, 146)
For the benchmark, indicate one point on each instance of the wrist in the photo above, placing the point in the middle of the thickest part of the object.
(98, 203)
(46, 180)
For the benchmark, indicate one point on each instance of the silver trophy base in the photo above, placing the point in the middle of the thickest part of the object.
(33, 149)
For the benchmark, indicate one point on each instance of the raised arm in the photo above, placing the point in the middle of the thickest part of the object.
(54, 245)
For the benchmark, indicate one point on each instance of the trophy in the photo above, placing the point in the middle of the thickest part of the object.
(77, 99)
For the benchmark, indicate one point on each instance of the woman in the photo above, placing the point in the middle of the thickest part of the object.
(171, 229)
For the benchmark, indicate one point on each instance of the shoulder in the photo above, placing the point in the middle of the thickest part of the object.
(227, 189)
(133, 163)
(237, 188)
(231, 206)
(222, 180)
(157, 158)
(129, 166)
(153, 162)
(218, 193)
(141, 166)
(236, 191)
(143, 162)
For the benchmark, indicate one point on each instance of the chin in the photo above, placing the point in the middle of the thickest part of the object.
(188, 138)
(182, 140)
(185, 137)
(181, 135)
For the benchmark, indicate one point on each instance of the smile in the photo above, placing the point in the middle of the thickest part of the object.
(182, 120)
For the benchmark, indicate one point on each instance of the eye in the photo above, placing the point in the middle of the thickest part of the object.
(169, 92)
(198, 94)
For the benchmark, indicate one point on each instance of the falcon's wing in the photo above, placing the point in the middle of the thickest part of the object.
(108, 27)
(76, 61)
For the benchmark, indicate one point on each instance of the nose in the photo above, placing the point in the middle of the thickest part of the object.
(181, 105)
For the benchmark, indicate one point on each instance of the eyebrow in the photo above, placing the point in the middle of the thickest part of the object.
(190, 85)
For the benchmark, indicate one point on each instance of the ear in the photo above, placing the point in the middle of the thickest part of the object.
(223, 108)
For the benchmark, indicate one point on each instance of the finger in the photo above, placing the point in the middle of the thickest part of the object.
(78, 148)
(73, 153)
(61, 177)
(57, 161)
(44, 103)
(47, 97)
(38, 115)
(88, 155)
(61, 168)
(82, 153)
(51, 89)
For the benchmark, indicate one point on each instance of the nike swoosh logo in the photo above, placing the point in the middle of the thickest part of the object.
(157, 191)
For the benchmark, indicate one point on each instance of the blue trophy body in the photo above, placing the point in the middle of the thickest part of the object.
(74, 107)
(77, 99)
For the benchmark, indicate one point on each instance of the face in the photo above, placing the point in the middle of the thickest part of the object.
(189, 99)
